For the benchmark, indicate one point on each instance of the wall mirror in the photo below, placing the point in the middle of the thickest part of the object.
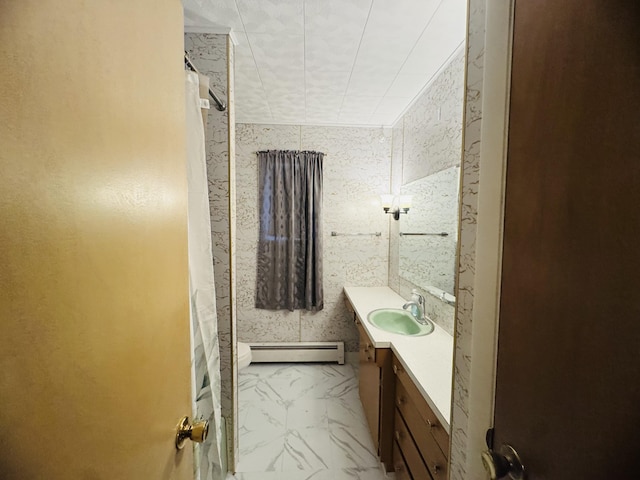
(426, 255)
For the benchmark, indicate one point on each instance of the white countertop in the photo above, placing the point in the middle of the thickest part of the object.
(428, 359)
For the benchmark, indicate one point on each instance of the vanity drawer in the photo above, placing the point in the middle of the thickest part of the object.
(426, 444)
(424, 412)
(399, 465)
(409, 450)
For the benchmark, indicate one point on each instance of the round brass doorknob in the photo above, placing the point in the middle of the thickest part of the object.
(499, 465)
(196, 432)
(199, 431)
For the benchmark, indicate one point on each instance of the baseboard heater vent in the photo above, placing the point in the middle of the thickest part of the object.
(297, 352)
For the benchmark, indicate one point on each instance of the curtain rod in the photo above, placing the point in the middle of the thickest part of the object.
(220, 105)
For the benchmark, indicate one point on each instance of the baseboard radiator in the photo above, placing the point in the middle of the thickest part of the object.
(297, 352)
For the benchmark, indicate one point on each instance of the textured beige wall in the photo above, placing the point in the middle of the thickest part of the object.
(94, 351)
(356, 171)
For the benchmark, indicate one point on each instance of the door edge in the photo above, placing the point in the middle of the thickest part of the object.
(490, 223)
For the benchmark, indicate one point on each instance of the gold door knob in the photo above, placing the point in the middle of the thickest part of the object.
(196, 432)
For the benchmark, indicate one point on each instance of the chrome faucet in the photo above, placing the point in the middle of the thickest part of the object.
(417, 307)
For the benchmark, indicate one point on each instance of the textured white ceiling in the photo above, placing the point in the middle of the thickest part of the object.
(336, 62)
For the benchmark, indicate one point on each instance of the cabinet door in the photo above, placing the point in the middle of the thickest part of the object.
(387, 406)
(369, 384)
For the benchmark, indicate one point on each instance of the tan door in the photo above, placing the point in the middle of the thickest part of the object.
(94, 340)
(568, 386)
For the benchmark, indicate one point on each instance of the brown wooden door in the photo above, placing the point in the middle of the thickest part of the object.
(568, 378)
(94, 319)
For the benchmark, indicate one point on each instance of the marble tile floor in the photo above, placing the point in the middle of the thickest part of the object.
(303, 422)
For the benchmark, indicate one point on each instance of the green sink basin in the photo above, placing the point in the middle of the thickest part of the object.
(399, 321)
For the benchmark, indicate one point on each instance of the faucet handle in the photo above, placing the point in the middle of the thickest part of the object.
(418, 296)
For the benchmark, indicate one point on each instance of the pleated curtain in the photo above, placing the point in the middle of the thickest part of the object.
(289, 263)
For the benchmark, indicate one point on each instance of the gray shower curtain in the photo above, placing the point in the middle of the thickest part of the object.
(289, 263)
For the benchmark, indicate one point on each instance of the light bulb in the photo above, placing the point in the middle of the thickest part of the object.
(386, 200)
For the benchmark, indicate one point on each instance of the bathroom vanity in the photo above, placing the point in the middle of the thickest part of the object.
(405, 389)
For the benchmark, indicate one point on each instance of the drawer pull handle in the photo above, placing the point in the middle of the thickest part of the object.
(398, 436)
(399, 467)
(401, 401)
(431, 424)
(395, 369)
(435, 468)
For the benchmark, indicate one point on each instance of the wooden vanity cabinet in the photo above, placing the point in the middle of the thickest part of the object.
(421, 444)
(376, 387)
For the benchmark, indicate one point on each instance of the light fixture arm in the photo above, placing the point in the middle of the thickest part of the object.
(396, 206)
(396, 212)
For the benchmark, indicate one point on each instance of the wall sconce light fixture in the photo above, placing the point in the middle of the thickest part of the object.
(395, 205)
